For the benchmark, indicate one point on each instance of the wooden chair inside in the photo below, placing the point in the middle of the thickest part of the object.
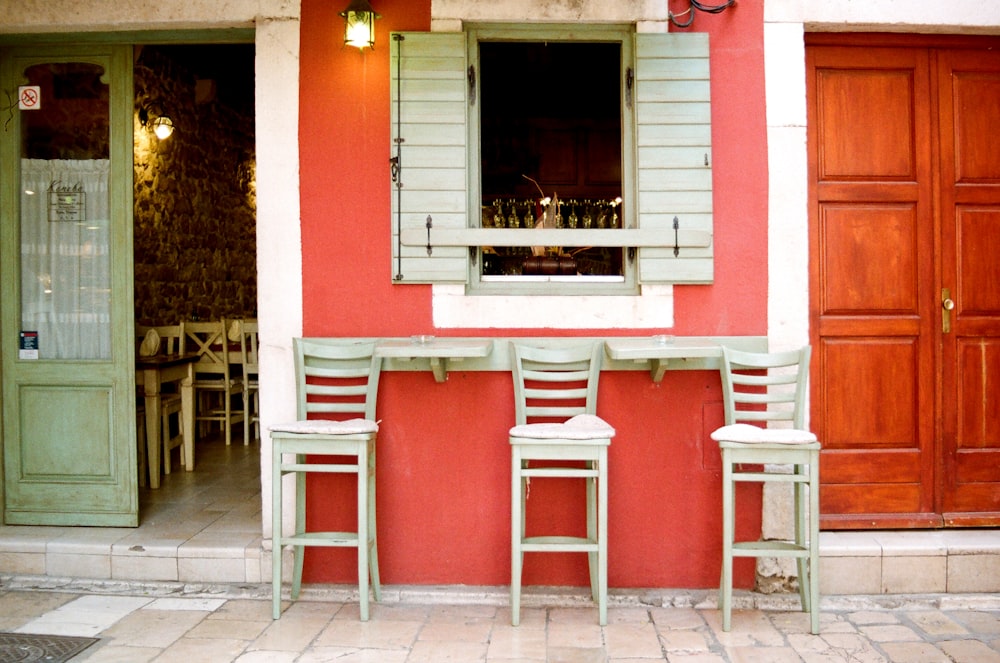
(215, 386)
(171, 341)
(251, 379)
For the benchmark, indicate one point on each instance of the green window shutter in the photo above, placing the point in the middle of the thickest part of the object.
(429, 93)
(674, 152)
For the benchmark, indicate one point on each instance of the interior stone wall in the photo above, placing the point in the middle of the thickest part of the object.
(195, 201)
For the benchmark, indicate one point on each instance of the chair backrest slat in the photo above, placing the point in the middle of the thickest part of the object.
(765, 386)
(555, 383)
(334, 376)
(248, 347)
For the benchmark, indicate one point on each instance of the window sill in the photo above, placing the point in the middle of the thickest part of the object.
(551, 278)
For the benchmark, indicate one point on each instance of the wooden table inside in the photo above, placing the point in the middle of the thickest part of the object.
(152, 373)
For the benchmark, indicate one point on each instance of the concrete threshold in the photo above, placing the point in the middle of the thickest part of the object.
(699, 599)
(873, 563)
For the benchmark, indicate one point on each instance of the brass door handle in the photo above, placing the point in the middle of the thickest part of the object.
(947, 304)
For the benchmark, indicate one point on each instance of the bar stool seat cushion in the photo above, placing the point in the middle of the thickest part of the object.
(748, 434)
(326, 427)
(580, 427)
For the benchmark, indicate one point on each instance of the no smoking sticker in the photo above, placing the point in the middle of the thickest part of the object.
(29, 97)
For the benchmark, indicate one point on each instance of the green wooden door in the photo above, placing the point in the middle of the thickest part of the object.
(66, 293)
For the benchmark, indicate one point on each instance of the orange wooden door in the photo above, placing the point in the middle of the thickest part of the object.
(969, 112)
(905, 202)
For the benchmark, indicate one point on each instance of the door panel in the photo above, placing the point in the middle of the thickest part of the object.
(65, 223)
(904, 289)
(862, 98)
(970, 212)
(870, 254)
(871, 246)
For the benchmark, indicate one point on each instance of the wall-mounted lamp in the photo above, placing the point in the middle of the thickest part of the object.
(360, 19)
(161, 125)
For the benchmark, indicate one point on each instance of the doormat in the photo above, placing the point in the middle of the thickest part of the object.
(30, 647)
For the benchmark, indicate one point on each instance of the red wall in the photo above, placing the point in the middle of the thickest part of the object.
(444, 461)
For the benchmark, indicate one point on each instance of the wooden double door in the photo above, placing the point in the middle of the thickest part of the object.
(904, 165)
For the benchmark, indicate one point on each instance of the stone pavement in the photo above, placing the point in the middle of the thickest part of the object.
(138, 623)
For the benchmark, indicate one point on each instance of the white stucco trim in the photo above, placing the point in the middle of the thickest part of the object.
(279, 236)
(653, 309)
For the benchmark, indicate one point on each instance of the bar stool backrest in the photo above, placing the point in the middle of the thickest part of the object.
(333, 376)
(765, 386)
(555, 383)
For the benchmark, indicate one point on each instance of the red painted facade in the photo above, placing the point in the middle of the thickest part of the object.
(443, 457)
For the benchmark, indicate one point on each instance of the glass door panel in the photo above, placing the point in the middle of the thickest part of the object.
(65, 212)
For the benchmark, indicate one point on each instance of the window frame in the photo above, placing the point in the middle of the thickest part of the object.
(621, 34)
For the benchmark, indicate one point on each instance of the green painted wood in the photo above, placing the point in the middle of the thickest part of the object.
(671, 173)
(674, 152)
(554, 237)
(331, 375)
(690, 353)
(68, 429)
(784, 376)
(428, 99)
(559, 383)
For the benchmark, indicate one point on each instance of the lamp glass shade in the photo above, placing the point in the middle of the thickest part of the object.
(360, 28)
(163, 127)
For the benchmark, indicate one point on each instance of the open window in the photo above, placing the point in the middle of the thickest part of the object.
(551, 159)
(550, 135)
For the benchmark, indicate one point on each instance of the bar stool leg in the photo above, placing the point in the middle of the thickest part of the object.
(814, 542)
(362, 459)
(801, 534)
(602, 536)
(299, 552)
(372, 542)
(517, 505)
(276, 533)
(728, 508)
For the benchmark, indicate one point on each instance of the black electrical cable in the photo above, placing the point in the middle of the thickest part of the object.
(700, 6)
(712, 9)
(673, 18)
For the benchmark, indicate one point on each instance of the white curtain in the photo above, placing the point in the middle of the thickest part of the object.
(65, 260)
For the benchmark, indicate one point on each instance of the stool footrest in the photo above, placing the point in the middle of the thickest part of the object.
(558, 544)
(769, 549)
(559, 472)
(288, 468)
(334, 539)
(770, 476)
